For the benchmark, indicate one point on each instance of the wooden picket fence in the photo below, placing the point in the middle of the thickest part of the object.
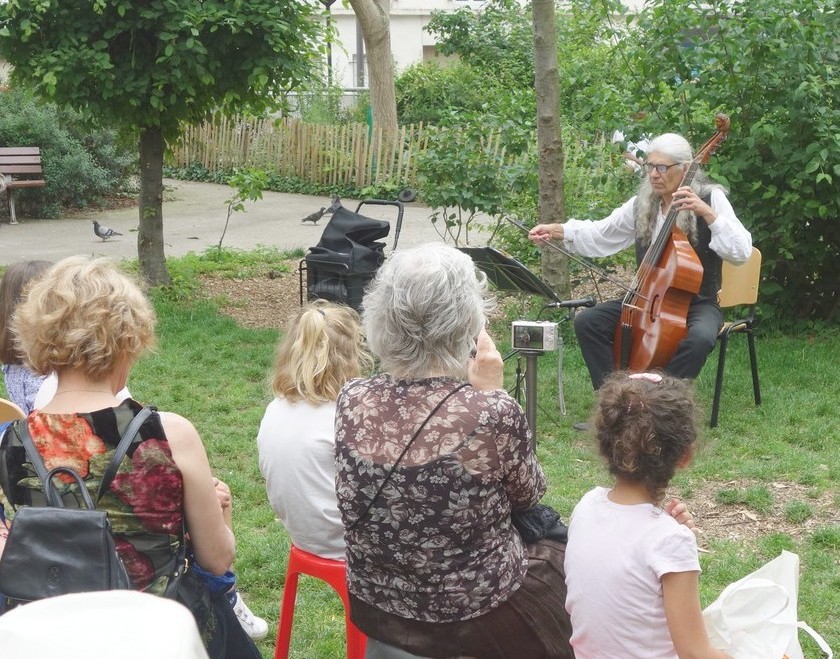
(326, 154)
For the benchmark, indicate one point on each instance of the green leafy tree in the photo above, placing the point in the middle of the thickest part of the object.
(772, 65)
(149, 66)
(248, 185)
(473, 164)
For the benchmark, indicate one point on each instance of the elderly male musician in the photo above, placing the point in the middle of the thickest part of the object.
(708, 221)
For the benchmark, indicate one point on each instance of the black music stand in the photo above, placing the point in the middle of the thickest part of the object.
(508, 274)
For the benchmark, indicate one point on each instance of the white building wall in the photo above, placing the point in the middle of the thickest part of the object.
(410, 43)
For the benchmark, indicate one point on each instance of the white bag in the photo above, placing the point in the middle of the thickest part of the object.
(755, 617)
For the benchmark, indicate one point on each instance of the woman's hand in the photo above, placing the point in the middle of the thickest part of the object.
(225, 500)
(485, 370)
(543, 233)
(678, 510)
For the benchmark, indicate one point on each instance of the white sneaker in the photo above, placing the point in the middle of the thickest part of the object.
(255, 627)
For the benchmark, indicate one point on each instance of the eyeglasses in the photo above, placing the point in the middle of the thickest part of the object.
(662, 169)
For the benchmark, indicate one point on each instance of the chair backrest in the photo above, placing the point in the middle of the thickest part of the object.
(739, 283)
(9, 411)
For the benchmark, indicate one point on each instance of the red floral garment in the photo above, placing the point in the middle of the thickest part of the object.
(145, 499)
(437, 545)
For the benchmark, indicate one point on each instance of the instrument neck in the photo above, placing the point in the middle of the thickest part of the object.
(654, 253)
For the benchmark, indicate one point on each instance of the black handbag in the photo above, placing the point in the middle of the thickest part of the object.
(54, 550)
(540, 522)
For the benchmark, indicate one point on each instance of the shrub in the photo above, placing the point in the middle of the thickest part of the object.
(772, 64)
(76, 173)
(429, 91)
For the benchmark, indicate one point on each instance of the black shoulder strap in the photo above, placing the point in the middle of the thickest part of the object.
(404, 451)
(122, 448)
(22, 430)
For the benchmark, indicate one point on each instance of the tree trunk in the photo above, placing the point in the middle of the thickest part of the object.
(150, 233)
(551, 208)
(374, 18)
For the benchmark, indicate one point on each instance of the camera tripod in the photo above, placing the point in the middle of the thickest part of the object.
(508, 274)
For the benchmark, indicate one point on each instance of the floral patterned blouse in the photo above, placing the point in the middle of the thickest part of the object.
(437, 545)
(145, 499)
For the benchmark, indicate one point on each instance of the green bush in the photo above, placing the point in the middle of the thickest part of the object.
(771, 65)
(80, 166)
(429, 91)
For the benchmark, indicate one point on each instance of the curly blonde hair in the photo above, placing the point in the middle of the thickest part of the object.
(322, 349)
(83, 314)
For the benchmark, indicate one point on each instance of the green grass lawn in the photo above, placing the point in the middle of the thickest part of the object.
(214, 372)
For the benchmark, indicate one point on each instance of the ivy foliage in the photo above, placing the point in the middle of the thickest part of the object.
(772, 65)
(157, 63)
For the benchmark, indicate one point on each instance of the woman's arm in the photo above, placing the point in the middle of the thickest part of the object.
(681, 597)
(212, 540)
(522, 475)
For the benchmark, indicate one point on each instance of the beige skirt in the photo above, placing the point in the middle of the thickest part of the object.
(533, 623)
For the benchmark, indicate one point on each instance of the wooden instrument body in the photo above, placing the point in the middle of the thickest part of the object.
(651, 328)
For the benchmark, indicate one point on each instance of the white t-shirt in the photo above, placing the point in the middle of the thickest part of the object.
(296, 445)
(615, 560)
(48, 388)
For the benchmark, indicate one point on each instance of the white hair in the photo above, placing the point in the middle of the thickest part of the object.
(423, 312)
(677, 148)
(672, 145)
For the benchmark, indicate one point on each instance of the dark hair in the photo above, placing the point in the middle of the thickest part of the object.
(645, 424)
(12, 289)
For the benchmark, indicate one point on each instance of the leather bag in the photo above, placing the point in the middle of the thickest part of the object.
(54, 550)
(541, 522)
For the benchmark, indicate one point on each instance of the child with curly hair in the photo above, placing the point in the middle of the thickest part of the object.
(631, 562)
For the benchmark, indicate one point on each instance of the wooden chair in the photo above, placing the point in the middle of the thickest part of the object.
(739, 286)
(9, 411)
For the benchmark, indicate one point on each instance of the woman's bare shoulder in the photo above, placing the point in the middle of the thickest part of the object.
(179, 431)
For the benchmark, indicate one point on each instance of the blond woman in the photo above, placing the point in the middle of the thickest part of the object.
(321, 350)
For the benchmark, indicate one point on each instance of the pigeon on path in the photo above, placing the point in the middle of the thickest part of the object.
(314, 217)
(104, 232)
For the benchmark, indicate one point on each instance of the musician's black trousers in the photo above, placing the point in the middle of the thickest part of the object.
(595, 330)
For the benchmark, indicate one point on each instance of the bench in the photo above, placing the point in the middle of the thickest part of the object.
(20, 167)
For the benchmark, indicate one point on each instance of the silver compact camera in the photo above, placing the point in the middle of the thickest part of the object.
(540, 336)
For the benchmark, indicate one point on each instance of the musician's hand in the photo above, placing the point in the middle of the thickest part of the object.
(543, 233)
(685, 199)
(485, 370)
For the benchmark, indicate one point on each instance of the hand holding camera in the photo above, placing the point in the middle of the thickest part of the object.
(485, 370)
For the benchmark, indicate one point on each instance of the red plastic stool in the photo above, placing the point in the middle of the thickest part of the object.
(334, 573)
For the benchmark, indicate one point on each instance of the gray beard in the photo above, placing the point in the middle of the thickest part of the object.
(647, 206)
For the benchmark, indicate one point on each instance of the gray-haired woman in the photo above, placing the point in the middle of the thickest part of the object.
(432, 456)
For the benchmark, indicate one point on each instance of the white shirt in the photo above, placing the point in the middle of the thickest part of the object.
(50, 384)
(615, 560)
(296, 445)
(730, 240)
